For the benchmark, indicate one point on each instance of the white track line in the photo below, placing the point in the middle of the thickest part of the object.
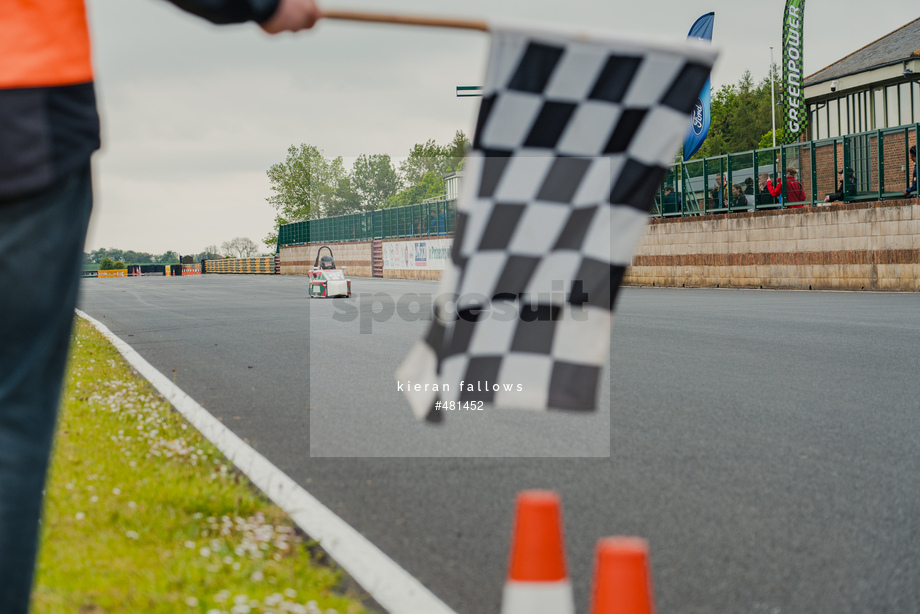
(391, 585)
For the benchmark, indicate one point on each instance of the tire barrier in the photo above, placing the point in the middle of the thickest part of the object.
(147, 270)
(262, 265)
(267, 265)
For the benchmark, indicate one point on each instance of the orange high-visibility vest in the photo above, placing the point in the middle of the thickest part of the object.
(44, 43)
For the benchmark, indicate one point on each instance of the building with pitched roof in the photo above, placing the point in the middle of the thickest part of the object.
(873, 88)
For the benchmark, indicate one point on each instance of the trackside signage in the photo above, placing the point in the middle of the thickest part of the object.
(793, 76)
(433, 254)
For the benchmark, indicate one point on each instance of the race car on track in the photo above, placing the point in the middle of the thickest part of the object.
(326, 281)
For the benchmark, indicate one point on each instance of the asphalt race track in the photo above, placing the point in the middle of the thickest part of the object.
(766, 443)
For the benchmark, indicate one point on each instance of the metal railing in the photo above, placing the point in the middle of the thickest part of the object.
(876, 166)
(421, 220)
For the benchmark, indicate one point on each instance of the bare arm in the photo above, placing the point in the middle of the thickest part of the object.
(273, 15)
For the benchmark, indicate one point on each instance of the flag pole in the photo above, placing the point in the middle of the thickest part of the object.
(409, 20)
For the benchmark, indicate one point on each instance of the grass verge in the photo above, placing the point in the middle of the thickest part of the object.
(142, 514)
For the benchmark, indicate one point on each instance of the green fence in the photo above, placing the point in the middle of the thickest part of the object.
(875, 165)
(424, 219)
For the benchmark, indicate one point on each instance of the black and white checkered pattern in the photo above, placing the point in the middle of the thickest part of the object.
(573, 138)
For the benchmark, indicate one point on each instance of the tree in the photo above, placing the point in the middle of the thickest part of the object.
(304, 185)
(211, 252)
(170, 257)
(374, 180)
(423, 159)
(739, 116)
(344, 199)
(431, 157)
(430, 186)
(424, 169)
(137, 257)
(456, 151)
(240, 247)
(307, 186)
(767, 139)
(106, 264)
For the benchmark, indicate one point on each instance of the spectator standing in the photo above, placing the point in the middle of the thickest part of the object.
(850, 180)
(50, 128)
(794, 191)
(775, 188)
(719, 193)
(749, 186)
(913, 187)
(436, 224)
(749, 193)
(765, 197)
(670, 202)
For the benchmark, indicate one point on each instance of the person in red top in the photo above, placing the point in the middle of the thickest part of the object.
(775, 187)
(49, 127)
(794, 191)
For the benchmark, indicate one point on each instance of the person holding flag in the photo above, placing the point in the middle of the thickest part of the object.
(50, 128)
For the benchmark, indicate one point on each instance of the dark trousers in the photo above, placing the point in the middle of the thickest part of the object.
(41, 250)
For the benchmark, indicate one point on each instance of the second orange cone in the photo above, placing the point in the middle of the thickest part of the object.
(622, 582)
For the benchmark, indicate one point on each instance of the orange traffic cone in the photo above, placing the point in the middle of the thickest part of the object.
(622, 582)
(538, 582)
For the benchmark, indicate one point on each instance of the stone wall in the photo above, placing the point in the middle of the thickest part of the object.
(355, 257)
(404, 274)
(856, 246)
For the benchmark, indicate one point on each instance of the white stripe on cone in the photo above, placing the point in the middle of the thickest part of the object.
(538, 598)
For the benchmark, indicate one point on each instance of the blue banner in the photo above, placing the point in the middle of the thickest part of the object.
(699, 117)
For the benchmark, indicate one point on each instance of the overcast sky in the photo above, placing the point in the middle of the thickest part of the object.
(194, 114)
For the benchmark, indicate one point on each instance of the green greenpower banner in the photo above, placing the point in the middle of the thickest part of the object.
(794, 112)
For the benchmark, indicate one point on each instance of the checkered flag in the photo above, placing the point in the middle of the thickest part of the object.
(574, 135)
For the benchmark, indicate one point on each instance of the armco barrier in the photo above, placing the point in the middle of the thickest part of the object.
(262, 265)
